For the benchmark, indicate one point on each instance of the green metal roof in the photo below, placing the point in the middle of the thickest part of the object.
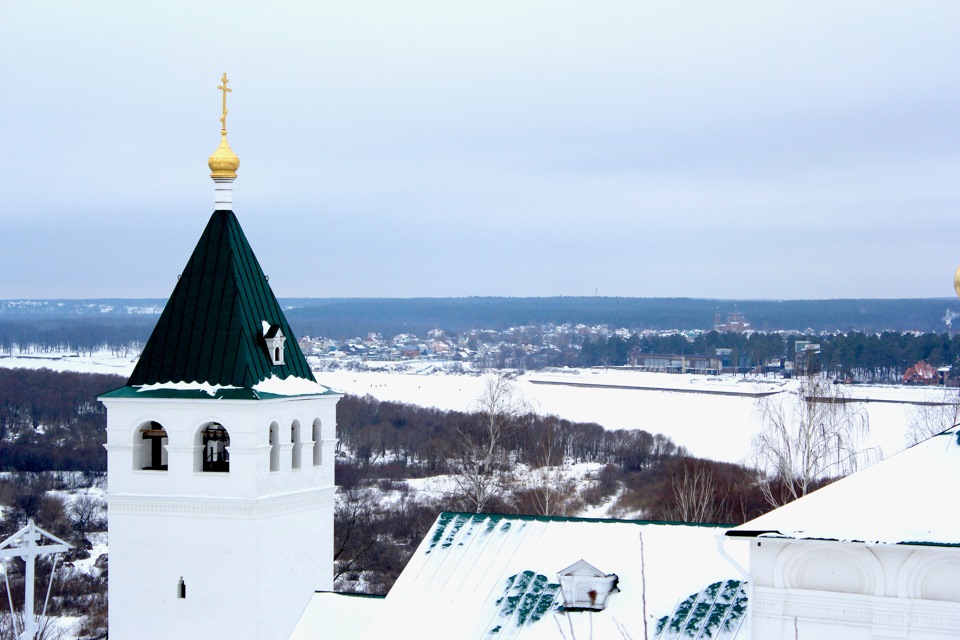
(211, 330)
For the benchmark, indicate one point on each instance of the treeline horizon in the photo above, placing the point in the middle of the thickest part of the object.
(109, 321)
(854, 355)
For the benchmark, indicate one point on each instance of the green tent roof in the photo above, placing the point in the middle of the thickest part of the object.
(211, 330)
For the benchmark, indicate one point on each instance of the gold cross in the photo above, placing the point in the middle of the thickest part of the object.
(225, 90)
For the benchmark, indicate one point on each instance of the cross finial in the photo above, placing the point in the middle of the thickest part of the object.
(225, 90)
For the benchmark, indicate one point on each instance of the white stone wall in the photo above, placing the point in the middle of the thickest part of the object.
(251, 545)
(824, 589)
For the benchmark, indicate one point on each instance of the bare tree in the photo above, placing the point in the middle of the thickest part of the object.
(11, 627)
(86, 513)
(928, 420)
(354, 530)
(550, 491)
(478, 467)
(693, 495)
(808, 435)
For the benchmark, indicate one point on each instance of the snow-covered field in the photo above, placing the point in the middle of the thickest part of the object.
(99, 362)
(712, 416)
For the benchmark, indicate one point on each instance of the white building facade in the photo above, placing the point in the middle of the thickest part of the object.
(829, 589)
(875, 555)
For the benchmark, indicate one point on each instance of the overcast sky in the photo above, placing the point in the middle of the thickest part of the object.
(707, 149)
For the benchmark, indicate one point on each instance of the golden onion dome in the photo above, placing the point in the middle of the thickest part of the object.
(224, 162)
(956, 281)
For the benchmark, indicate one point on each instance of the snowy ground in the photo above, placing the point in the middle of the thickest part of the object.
(712, 416)
(99, 362)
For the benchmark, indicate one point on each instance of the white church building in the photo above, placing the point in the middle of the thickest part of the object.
(220, 455)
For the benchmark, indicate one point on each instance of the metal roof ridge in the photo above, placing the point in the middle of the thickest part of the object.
(531, 517)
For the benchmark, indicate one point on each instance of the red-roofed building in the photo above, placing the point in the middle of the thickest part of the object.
(921, 373)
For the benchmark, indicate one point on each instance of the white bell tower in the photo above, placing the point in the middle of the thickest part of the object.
(220, 455)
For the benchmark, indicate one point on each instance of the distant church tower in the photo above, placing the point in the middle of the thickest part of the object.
(220, 455)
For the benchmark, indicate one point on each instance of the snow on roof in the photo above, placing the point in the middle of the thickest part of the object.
(205, 387)
(902, 500)
(272, 387)
(493, 576)
(270, 330)
(336, 615)
(290, 386)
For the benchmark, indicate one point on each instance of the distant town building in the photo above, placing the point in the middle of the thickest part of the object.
(804, 357)
(673, 363)
(922, 373)
(736, 323)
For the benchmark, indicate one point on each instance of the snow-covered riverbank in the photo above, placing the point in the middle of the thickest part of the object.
(712, 416)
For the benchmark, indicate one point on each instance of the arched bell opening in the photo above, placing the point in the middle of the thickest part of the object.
(150, 447)
(215, 448)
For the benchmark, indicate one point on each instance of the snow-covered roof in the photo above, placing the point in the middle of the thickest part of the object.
(904, 499)
(336, 615)
(493, 576)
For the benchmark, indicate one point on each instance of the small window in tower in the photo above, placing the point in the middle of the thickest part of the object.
(273, 337)
(215, 449)
(181, 589)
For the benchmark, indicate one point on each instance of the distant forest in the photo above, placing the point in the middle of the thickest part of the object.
(73, 334)
(91, 324)
(51, 421)
(343, 318)
(854, 356)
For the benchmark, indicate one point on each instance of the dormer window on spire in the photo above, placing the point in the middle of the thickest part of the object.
(273, 338)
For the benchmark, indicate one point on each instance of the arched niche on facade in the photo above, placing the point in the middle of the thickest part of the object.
(274, 446)
(829, 566)
(930, 574)
(214, 448)
(317, 442)
(295, 439)
(150, 447)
